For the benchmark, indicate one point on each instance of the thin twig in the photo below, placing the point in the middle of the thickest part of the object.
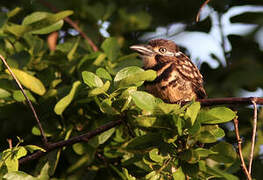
(10, 143)
(81, 138)
(72, 23)
(44, 138)
(253, 138)
(230, 101)
(239, 143)
(199, 12)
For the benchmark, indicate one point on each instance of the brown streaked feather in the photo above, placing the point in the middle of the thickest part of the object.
(178, 79)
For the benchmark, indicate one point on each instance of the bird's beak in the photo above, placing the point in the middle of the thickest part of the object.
(145, 50)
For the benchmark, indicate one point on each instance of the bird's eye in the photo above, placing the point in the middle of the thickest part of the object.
(162, 50)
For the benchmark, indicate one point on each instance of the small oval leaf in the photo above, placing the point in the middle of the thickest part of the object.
(102, 73)
(91, 79)
(65, 101)
(216, 115)
(144, 100)
(29, 81)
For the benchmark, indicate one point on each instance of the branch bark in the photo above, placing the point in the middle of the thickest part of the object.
(72, 23)
(231, 101)
(82, 138)
(44, 138)
(253, 137)
(239, 143)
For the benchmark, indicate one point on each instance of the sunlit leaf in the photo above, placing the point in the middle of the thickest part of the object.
(216, 115)
(127, 175)
(100, 90)
(144, 100)
(111, 47)
(154, 155)
(19, 96)
(73, 50)
(29, 81)
(91, 79)
(102, 73)
(103, 137)
(179, 174)
(137, 78)
(192, 111)
(65, 101)
(4, 93)
(44, 23)
(32, 148)
(126, 72)
(20, 175)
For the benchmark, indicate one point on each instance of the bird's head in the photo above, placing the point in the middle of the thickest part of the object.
(156, 47)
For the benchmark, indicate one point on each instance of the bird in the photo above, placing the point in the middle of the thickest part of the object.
(178, 79)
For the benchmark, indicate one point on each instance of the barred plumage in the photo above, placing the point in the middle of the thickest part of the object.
(178, 79)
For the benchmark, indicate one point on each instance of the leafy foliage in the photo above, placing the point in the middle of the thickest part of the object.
(76, 90)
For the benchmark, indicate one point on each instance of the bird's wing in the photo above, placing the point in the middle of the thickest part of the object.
(191, 73)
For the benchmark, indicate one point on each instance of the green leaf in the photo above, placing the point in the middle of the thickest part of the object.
(46, 30)
(19, 96)
(168, 108)
(190, 156)
(154, 155)
(14, 12)
(11, 157)
(225, 153)
(178, 123)
(86, 159)
(179, 174)
(44, 174)
(103, 137)
(216, 115)
(19, 175)
(106, 107)
(192, 111)
(144, 100)
(100, 90)
(65, 101)
(73, 50)
(81, 148)
(127, 175)
(102, 73)
(44, 23)
(153, 175)
(137, 78)
(220, 174)
(111, 47)
(210, 134)
(204, 152)
(126, 72)
(29, 81)
(91, 79)
(144, 142)
(32, 148)
(4, 93)
(17, 30)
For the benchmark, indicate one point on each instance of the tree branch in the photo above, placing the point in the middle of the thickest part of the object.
(72, 23)
(253, 137)
(44, 138)
(199, 12)
(84, 137)
(231, 101)
(239, 142)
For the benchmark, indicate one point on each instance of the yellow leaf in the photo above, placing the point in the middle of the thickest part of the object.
(29, 81)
